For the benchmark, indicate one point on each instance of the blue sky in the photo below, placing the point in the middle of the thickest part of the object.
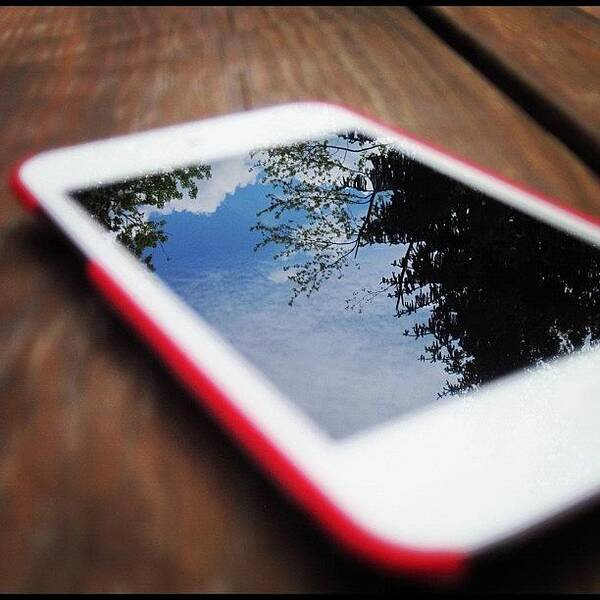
(347, 370)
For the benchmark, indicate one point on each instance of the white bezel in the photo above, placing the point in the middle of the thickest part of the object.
(459, 475)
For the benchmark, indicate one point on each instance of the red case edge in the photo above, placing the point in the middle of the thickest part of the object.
(28, 201)
(445, 565)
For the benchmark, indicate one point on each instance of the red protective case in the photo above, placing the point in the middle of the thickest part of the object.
(434, 564)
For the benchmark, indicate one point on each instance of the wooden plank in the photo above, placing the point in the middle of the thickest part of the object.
(110, 478)
(486, 120)
(594, 11)
(553, 52)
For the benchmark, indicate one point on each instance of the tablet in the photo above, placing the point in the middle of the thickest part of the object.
(404, 341)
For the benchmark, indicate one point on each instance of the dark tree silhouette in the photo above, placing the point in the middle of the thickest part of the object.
(120, 206)
(497, 290)
(504, 290)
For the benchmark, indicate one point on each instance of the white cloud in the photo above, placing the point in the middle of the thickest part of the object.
(347, 370)
(227, 176)
(278, 276)
(281, 275)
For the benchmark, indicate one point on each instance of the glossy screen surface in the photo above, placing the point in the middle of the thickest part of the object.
(361, 282)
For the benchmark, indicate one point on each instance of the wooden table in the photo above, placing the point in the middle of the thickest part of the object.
(110, 478)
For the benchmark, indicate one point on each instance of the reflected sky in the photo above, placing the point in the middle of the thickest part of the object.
(348, 370)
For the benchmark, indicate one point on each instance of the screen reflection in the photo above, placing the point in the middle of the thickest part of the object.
(360, 281)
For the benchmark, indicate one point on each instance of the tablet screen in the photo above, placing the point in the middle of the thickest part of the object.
(361, 282)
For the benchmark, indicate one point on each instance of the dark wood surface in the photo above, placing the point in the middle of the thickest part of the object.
(110, 478)
(552, 51)
(593, 11)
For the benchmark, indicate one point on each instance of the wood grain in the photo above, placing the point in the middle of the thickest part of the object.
(593, 11)
(552, 51)
(110, 478)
